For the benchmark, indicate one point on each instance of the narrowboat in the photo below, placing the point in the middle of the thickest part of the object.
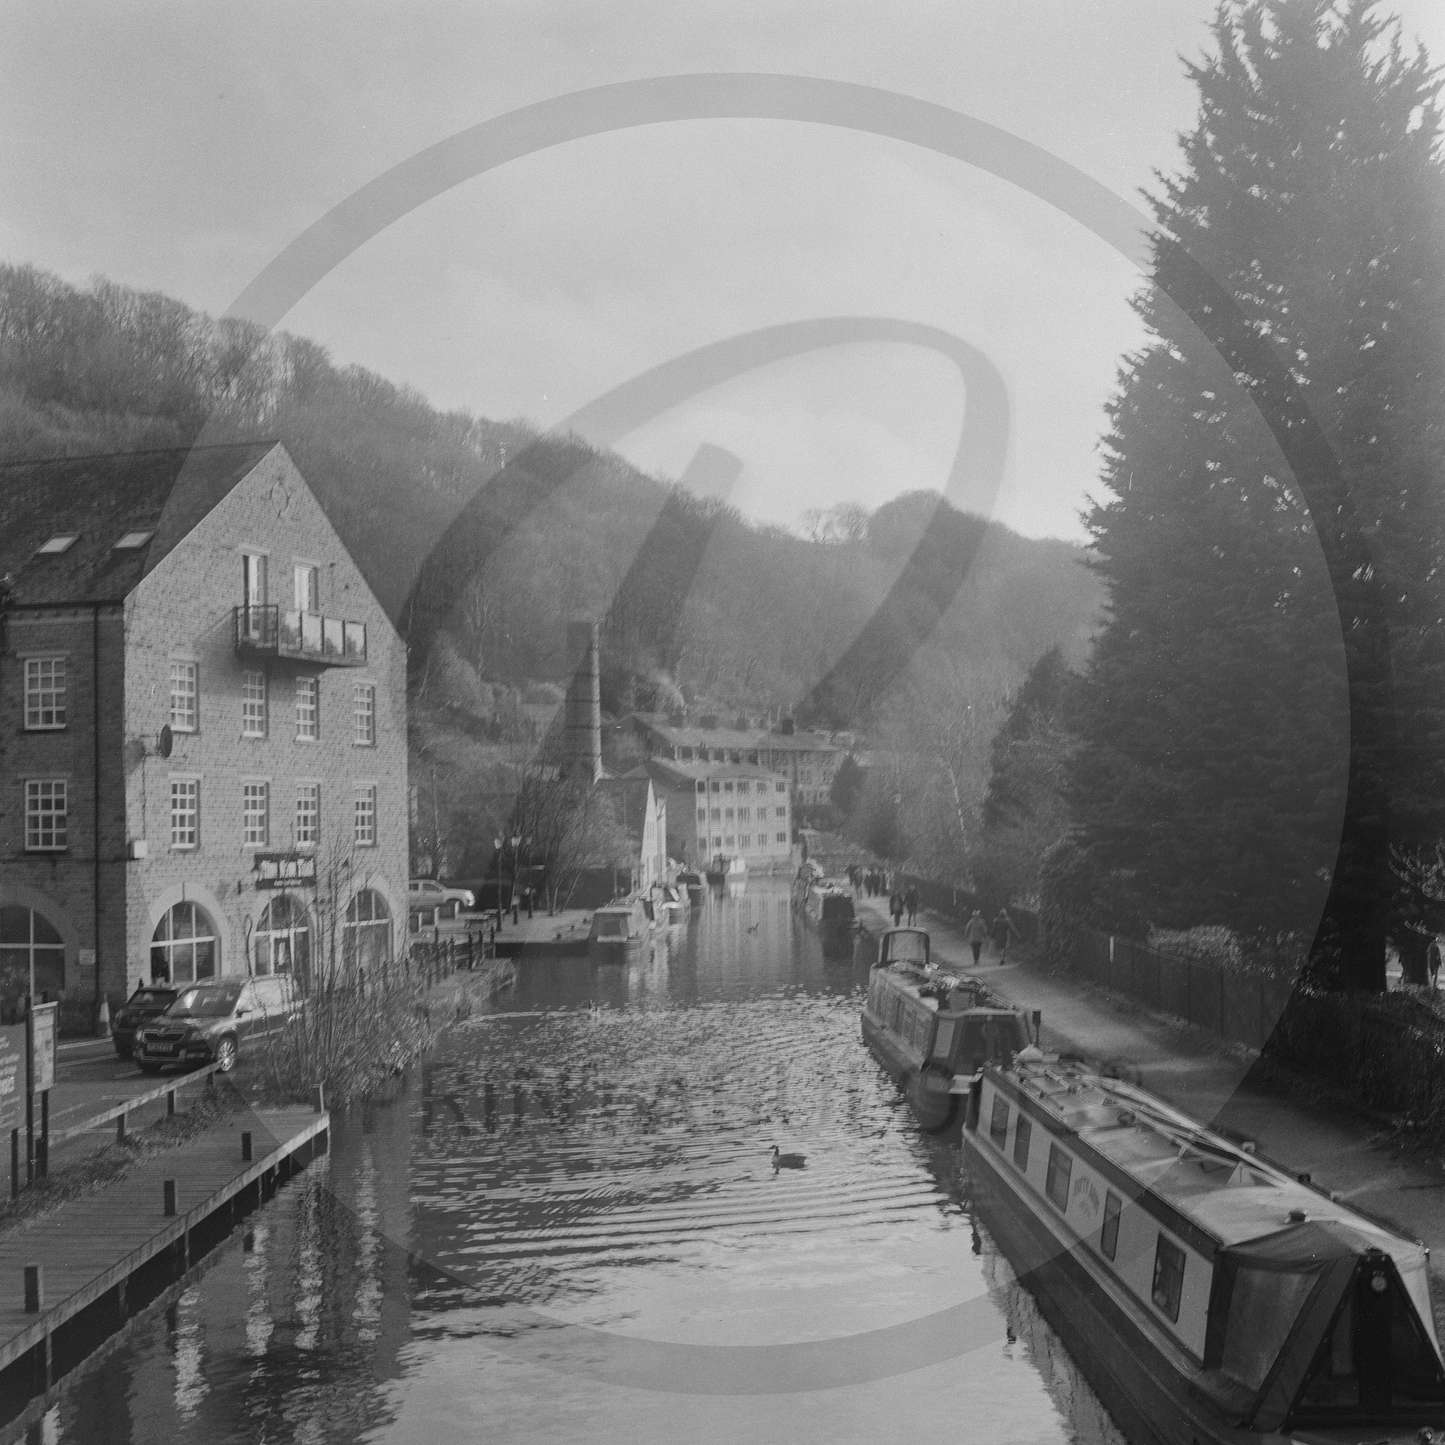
(1208, 1294)
(725, 869)
(670, 904)
(827, 904)
(692, 883)
(619, 928)
(932, 1031)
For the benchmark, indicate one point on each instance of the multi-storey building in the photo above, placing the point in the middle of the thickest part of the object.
(807, 759)
(737, 809)
(203, 763)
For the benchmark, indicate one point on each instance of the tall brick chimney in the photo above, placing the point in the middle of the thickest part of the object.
(582, 710)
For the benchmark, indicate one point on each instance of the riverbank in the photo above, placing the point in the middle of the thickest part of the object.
(1363, 1161)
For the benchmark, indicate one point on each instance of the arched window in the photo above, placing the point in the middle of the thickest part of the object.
(28, 940)
(367, 937)
(184, 948)
(282, 941)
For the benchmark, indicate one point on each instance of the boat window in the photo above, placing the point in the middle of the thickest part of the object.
(612, 927)
(1109, 1230)
(1263, 1307)
(1168, 1276)
(1332, 1375)
(897, 1020)
(998, 1124)
(943, 1040)
(1056, 1184)
(1022, 1134)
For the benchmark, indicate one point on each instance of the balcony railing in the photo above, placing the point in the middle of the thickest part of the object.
(304, 636)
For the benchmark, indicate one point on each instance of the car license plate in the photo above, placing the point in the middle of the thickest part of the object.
(160, 1048)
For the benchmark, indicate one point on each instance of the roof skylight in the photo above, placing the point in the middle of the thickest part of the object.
(133, 540)
(61, 542)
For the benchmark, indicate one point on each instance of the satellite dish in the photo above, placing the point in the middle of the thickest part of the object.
(164, 741)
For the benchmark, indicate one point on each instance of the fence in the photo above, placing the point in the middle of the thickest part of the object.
(1240, 1007)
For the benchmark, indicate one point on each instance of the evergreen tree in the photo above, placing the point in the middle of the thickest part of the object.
(1241, 761)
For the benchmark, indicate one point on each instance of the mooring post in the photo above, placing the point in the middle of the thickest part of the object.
(170, 1103)
(168, 1195)
(42, 1157)
(15, 1163)
(34, 1289)
(318, 1098)
(246, 1146)
(120, 1127)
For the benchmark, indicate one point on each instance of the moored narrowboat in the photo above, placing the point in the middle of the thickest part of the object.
(1208, 1294)
(932, 1031)
(693, 883)
(725, 869)
(619, 928)
(827, 905)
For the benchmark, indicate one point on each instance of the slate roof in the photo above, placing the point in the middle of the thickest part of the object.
(102, 498)
(733, 739)
(690, 773)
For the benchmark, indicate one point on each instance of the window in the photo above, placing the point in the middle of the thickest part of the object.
(727, 787)
(366, 936)
(1168, 1276)
(780, 812)
(745, 815)
(308, 814)
(28, 940)
(742, 787)
(745, 840)
(253, 578)
(728, 843)
(365, 833)
(717, 787)
(780, 787)
(998, 1123)
(702, 815)
(183, 949)
(254, 823)
(1056, 1184)
(363, 715)
(62, 542)
(253, 704)
(1022, 1134)
(45, 814)
(133, 541)
(283, 938)
(782, 837)
(44, 692)
(727, 815)
(185, 812)
(308, 588)
(1109, 1232)
(185, 696)
(307, 723)
(717, 840)
(717, 815)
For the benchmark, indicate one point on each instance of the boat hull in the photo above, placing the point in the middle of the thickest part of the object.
(937, 1113)
(1121, 1364)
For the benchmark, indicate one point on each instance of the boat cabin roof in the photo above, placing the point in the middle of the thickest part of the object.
(1227, 1191)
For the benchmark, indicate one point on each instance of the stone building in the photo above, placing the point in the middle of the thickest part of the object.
(736, 809)
(203, 764)
(808, 760)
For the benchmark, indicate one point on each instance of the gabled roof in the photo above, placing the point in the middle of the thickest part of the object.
(731, 739)
(664, 770)
(100, 499)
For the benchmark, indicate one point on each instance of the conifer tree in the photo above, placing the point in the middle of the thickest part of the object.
(1242, 760)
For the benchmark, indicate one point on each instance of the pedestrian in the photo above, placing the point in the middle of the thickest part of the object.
(911, 900)
(1432, 962)
(1002, 928)
(976, 931)
(895, 907)
(527, 894)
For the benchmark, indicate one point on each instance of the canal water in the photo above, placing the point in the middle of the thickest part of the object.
(569, 1227)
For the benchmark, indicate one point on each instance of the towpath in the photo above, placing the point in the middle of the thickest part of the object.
(1359, 1159)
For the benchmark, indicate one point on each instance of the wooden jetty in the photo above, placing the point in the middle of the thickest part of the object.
(72, 1278)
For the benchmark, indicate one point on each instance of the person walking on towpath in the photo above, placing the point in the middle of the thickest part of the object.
(895, 907)
(1002, 928)
(976, 932)
(910, 900)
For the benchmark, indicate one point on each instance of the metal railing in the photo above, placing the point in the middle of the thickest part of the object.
(305, 636)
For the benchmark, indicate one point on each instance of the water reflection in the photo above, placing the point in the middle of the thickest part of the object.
(568, 1226)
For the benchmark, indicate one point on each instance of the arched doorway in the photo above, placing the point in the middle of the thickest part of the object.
(282, 941)
(366, 939)
(185, 947)
(30, 948)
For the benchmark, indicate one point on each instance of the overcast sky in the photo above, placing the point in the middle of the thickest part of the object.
(182, 146)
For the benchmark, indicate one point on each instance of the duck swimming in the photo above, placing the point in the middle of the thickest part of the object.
(788, 1161)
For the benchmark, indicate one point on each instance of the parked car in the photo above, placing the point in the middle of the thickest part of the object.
(212, 1021)
(422, 893)
(147, 1002)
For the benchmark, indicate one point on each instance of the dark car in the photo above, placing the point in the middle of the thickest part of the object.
(212, 1021)
(146, 1003)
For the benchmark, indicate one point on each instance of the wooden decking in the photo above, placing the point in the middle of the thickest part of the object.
(109, 1253)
